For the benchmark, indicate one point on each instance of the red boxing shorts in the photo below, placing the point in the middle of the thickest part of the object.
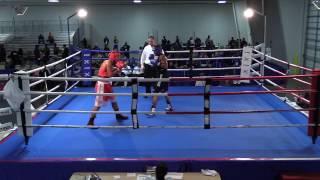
(103, 87)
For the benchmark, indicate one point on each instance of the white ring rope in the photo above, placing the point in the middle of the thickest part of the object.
(42, 95)
(206, 69)
(53, 64)
(204, 59)
(284, 62)
(208, 51)
(54, 74)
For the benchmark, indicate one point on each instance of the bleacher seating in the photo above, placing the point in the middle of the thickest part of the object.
(4, 38)
(27, 41)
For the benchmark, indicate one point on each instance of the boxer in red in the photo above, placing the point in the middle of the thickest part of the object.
(108, 68)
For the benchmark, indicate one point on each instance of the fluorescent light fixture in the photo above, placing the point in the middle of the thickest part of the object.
(222, 2)
(53, 1)
(82, 13)
(248, 13)
(316, 4)
(137, 1)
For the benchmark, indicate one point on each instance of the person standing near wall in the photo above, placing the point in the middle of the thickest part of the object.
(147, 62)
(115, 42)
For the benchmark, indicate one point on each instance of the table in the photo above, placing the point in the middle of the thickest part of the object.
(133, 176)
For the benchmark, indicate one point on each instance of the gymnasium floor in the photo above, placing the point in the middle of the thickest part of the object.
(59, 143)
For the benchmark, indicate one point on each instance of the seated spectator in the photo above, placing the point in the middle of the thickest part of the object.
(3, 53)
(56, 50)
(126, 47)
(41, 39)
(46, 53)
(50, 38)
(65, 52)
(37, 54)
(244, 43)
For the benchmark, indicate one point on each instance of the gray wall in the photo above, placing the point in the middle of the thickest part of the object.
(285, 27)
(134, 22)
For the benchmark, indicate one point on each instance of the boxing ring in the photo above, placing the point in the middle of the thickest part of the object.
(245, 128)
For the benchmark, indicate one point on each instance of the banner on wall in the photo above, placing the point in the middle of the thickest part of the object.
(86, 70)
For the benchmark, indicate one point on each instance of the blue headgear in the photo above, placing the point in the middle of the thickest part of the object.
(157, 50)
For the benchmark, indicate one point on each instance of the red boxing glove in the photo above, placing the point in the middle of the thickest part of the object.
(120, 65)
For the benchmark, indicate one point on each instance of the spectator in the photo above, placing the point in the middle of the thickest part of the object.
(20, 54)
(232, 43)
(106, 41)
(14, 56)
(3, 53)
(126, 47)
(244, 43)
(56, 50)
(167, 46)
(65, 52)
(164, 43)
(50, 38)
(190, 42)
(37, 54)
(197, 43)
(41, 39)
(46, 52)
(115, 42)
(178, 43)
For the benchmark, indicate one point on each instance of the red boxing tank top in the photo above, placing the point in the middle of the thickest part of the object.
(103, 70)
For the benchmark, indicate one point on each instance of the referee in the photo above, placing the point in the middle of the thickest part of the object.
(148, 63)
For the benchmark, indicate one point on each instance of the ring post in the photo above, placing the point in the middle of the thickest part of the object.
(46, 84)
(206, 110)
(191, 62)
(86, 66)
(134, 103)
(24, 119)
(314, 116)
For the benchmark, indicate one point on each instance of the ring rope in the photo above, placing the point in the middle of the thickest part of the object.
(53, 64)
(176, 112)
(284, 62)
(141, 79)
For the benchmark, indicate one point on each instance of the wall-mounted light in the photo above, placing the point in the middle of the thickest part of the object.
(248, 13)
(222, 2)
(137, 1)
(53, 1)
(82, 13)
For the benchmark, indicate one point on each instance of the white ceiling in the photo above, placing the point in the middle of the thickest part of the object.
(73, 2)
